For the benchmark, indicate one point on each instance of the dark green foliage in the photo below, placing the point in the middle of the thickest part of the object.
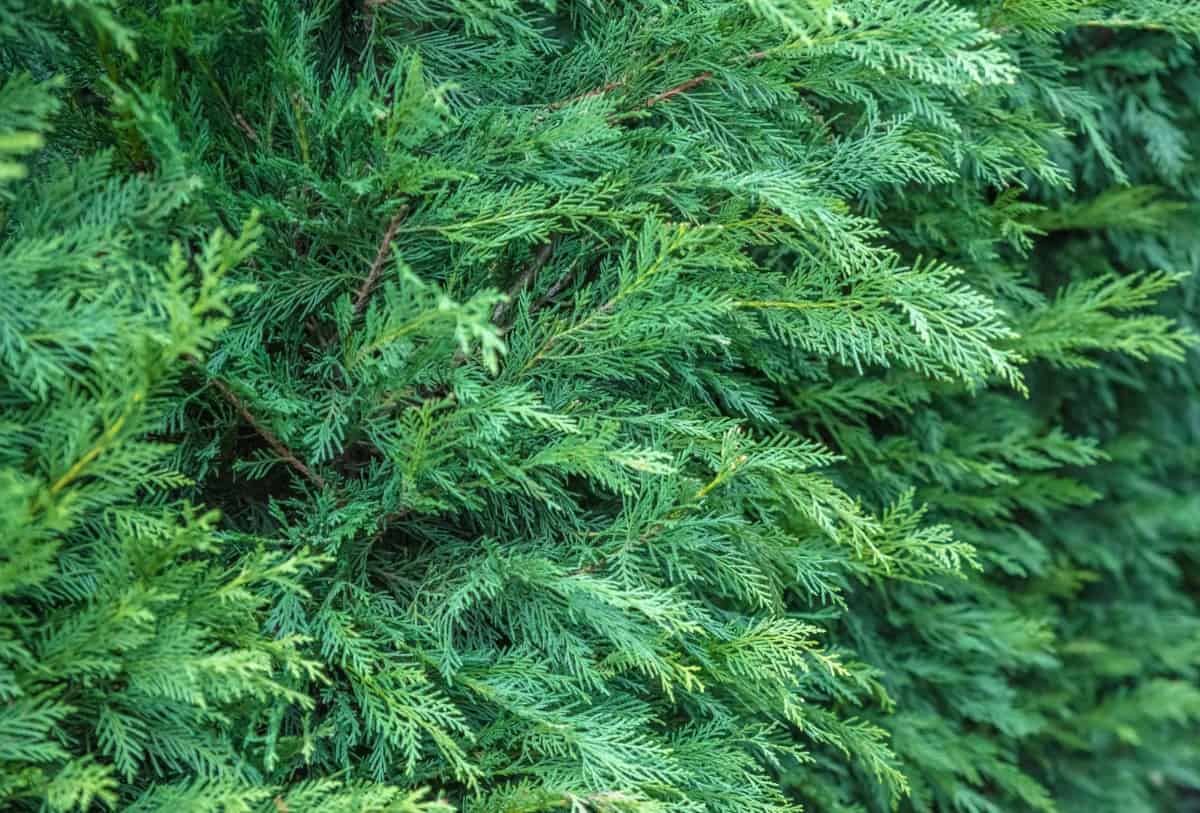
(694, 405)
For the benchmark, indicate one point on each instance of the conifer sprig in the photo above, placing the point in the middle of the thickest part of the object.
(637, 407)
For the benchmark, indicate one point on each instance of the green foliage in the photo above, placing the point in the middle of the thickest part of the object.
(658, 406)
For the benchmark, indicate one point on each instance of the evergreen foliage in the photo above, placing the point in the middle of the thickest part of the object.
(653, 406)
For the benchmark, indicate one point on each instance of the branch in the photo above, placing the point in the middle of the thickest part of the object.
(699, 79)
(682, 87)
(600, 91)
(1139, 23)
(241, 122)
(368, 285)
(557, 288)
(539, 261)
(654, 530)
(279, 447)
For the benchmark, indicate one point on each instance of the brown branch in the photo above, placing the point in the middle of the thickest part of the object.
(279, 447)
(368, 285)
(557, 288)
(368, 8)
(385, 524)
(682, 87)
(241, 122)
(522, 282)
(666, 95)
(600, 91)
(697, 80)
(723, 474)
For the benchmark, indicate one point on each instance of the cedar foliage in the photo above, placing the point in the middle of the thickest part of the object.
(618, 407)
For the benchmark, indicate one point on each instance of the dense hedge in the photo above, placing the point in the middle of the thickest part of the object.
(616, 406)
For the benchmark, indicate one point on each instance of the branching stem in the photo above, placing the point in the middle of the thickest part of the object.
(500, 312)
(280, 448)
(372, 278)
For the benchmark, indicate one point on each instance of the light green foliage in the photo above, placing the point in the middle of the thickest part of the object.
(660, 406)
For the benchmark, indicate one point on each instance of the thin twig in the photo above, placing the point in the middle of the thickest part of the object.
(281, 449)
(682, 87)
(721, 476)
(368, 285)
(241, 122)
(557, 288)
(270, 437)
(699, 79)
(500, 312)
(600, 91)
(1124, 22)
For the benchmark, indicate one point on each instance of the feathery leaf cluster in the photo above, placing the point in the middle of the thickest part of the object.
(653, 406)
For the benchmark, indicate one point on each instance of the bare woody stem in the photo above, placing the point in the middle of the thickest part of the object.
(500, 312)
(557, 288)
(682, 87)
(698, 80)
(372, 278)
(600, 91)
(282, 450)
(720, 477)
(658, 98)
(278, 446)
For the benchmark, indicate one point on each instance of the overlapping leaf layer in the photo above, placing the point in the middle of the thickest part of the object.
(616, 406)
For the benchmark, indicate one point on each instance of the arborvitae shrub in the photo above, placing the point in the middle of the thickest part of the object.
(642, 406)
